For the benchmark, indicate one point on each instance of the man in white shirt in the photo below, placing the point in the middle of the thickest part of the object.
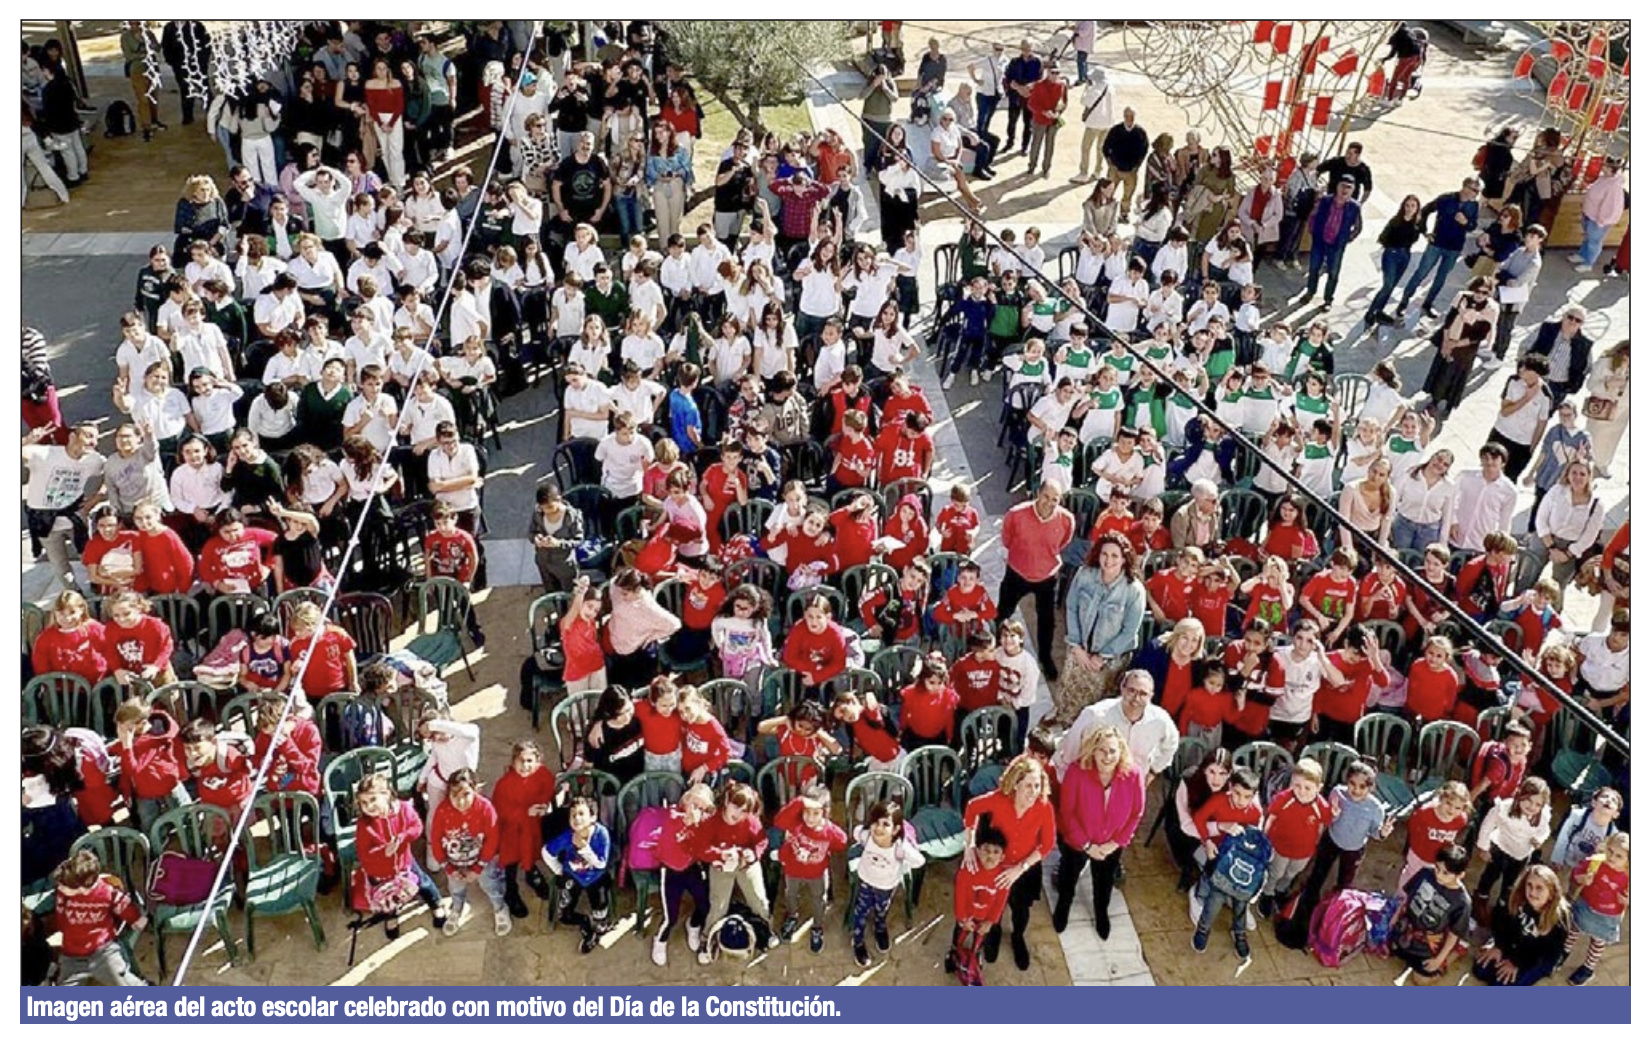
(1484, 501)
(372, 414)
(1147, 728)
(623, 456)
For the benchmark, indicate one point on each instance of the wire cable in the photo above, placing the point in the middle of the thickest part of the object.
(354, 544)
(1485, 639)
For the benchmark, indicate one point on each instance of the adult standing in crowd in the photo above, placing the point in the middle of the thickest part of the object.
(1046, 106)
(1567, 350)
(1104, 609)
(1097, 121)
(1601, 207)
(1125, 150)
(137, 43)
(1607, 404)
(1022, 74)
(1454, 217)
(1035, 535)
(989, 75)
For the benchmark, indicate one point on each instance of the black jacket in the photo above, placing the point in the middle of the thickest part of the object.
(57, 107)
(1581, 355)
(1125, 149)
(1332, 170)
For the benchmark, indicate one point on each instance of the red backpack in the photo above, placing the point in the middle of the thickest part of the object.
(1493, 751)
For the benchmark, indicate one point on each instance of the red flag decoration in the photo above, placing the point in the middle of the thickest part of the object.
(1297, 117)
(1625, 62)
(1263, 145)
(1281, 36)
(1263, 32)
(1560, 84)
(1377, 83)
(1612, 115)
(1346, 64)
(1320, 48)
(1562, 51)
(1320, 110)
(1273, 96)
(1595, 167)
(1577, 99)
(1526, 64)
(1286, 168)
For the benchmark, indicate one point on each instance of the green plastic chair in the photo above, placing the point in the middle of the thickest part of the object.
(1242, 514)
(988, 735)
(338, 783)
(859, 580)
(182, 614)
(187, 700)
(369, 619)
(731, 702)
(231, 612)
(672, 597)
(747, 519)
(765, 574)
(1492, 722)
(35, 619)
(1351, 390)
(284, 866)
(1576, 765)
(405, 710)
(798, 602)
(1389, 634)
(287, 601)
(1445, 750)
(782, 689)
(449, 602)
(58, 698)
(897, 667)
(349, 721)
(570, 722)
(241, 714)
(124, 853)
(1084, 504)
(648, 789)
(1335, 758)
(1268, 760)
(543, 630)
(1383, 740)
(864, 792)
(936, 777)
(628, 526)
(192, 830)
(1187, 756)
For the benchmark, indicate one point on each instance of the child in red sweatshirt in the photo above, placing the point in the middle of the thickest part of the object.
(151, 761)
(91, 911)
(966, 606)
(683, 851)
(384, 835)
(520, 797)
(1227, 812)
(297, 764)
(1295, 821)
(464, 838)
(928, 707)
(958, 521)
(978, 901)
(810, 840)
(1436, 825)
(872, 731)
(910, 529)
(894, 617)
(977, 676)
(736, 843)
(136, 644)
(221, 770)
(705, 747)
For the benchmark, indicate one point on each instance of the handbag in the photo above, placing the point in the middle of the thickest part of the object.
(387, 896)
(1597, 407)
(181, 880)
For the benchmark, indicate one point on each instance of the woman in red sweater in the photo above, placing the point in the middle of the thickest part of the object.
(73, 642)
(817, 647)
(1434, 681)
(1021, 809)
(520, 797)
(384, 836)
(136, 643)
(1102, 800)
(168, 567)
(386, 106)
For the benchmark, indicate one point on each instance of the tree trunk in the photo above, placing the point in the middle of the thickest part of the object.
(751, 119)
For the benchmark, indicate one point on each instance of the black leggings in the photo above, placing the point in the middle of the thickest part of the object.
(1503, 867)
(1102, 874)
(598, 893)
(691, 882)
(1013, 590)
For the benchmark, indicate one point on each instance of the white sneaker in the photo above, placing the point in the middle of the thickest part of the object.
(950, 379)
(1574, 259)
(693, 935)
(450, 929)
(1486, 352)
(502, 923)
(1080, 178)
(1584, 269)
(974, 379)
(704, 956)
(1249, 918)
(659, 954)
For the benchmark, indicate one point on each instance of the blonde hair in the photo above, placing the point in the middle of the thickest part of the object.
(1557, 910)
(1090, 749)
(1309, 770)
(196, 183)
(308, 614)
(70, 601)
(1017, 770)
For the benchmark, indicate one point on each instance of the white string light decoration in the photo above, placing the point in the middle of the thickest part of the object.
(193, 70)
(151, 65)
(242, 50)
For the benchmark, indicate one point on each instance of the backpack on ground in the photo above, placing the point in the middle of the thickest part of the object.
(1240, 867)
(1340, 925)
(119, 121)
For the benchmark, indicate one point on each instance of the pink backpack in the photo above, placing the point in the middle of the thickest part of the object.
(1340, 925)
(642, 847)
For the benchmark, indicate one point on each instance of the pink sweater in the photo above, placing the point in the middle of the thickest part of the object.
(1091, 814)
(1033, 545)
(635, 624)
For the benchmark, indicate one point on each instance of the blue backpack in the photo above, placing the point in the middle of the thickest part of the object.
(1240, 867)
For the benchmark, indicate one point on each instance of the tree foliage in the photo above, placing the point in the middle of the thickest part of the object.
(747, 65)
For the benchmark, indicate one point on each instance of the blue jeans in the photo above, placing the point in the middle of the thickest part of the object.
(1411, 535)
(1393, 262)
(1082, 67)
(629, 209)
(1215, 901)
(987, 104)
(1324, 256)
(1592, 240)
(1433, 257)
(870, 904)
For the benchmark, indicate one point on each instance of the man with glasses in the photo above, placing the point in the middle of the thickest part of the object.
(248, 203)
(1569, 351)
(1147, 728)
(1454, 217)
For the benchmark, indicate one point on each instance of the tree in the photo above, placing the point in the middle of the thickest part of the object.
(748, 65)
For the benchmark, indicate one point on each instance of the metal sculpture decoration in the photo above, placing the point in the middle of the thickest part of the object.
(1582, 70)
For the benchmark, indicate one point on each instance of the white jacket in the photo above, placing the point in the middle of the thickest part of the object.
(1097, 102)
(1514, 835)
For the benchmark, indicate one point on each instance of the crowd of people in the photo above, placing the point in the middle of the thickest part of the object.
(754, 587)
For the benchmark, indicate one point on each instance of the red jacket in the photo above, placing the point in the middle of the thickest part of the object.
(297, 758)
(1172, 593)
(976, 681)
(327, 671)
(823, 655)
(722, 837)
(929, 716)
(91, 920)
(897, 406)
(1432, 694)
(902, 456)
(861, 451)
(168, 567)
(242, 560)
(152, 764)
(1294, 828)
(1091, 814)
(976, 895)
(451, 556)
(95, 801)
(1205, 709)
(704, 743)
(873, 738)
(1046, 96)
(1219, 810)
(682, 845)
(912, 535)
(519, 834)
(854, 538)
(1032, 832)
(467, 840)
(701, 604)
(80, 651)
(1345, 703)
(911, 611)
(374, 836)
(149, 644)
(806, 851)
(226, 780)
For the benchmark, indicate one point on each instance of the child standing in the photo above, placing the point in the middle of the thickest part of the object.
(383, 844)
(805, 855)
(736, 845)
(151, 761)
(520, 797)
(1585, 830)
(661, 727)
(683, 857)
(1513, 830)
(958, 522)
(1359, 817)
(886, 856)
(979, 898)
(1295, 822)
(1018, 675)
(1601, 907)
(586, 669)
(464, 841)
(453, 745)
(90, 913)
(705, 746)
(579, 857)
(1437, 825)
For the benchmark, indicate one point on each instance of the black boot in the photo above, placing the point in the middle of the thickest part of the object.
(993, 944)
(512, 895)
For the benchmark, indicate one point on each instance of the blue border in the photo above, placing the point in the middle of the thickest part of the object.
(910, 1005)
